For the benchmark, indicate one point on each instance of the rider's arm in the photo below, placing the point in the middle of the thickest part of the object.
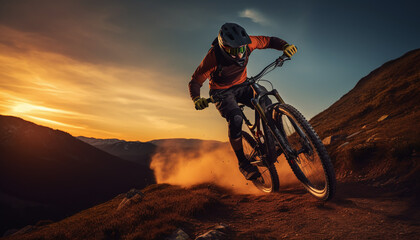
(201, 74)
(261, 42)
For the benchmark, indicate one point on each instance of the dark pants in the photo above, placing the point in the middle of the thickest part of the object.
(229, 108)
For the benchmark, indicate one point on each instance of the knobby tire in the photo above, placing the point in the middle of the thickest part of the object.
(293, 114)
(269, 180)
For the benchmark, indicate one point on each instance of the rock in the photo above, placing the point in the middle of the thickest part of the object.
(133, 192)
(218, 233)
(331, 139)
(178, 234)
(383, 118)
(327, 141)
(342, 145)
(354, 134)
(212, 235)
(132, 196)
(222, 227)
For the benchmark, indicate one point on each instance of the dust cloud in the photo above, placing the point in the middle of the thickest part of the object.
(204, 162)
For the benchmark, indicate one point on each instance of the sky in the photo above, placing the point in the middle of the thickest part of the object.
(120, 69)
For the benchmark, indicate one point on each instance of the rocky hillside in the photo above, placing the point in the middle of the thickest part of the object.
(373, 130)
(47, 174)
(208, 212)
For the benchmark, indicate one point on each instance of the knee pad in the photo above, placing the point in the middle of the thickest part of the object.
(235, 126)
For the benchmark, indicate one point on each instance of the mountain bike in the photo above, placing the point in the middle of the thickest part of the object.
(279, 128)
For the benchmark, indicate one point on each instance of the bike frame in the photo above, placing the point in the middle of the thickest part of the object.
(263, 113)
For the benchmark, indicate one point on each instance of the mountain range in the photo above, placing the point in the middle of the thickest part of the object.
(142, 152)
(47, 174)
(134, 151)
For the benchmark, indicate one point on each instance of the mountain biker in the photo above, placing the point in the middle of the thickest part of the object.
(225, 66)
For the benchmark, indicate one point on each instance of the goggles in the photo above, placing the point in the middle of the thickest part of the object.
(235, 51)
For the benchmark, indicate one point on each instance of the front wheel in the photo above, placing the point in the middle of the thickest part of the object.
(310, 161)
(257, 155)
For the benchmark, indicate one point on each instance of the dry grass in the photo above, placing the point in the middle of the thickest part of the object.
(385, 149)
(163, 209)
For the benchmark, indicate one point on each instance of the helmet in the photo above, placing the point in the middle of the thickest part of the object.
(233, 39)
(232, 35)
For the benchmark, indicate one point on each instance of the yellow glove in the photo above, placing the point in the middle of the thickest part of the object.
(289, 50)
(200, 103)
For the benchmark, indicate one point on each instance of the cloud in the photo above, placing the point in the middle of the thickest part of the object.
(159, 123)
(114, 70)
(55, 122)
(89, 99)
(255, 16)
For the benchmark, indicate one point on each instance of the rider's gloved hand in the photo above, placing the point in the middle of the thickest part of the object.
(289, 50)
(200, 103)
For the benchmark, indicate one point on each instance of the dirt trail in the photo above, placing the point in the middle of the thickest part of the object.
(357, 212)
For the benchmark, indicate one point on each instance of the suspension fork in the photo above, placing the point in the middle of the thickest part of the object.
(268, 120)
(304, 140)
(277, 95)
(266, 117)
(287, 150)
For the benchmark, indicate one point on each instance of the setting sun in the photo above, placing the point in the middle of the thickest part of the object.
(26, 108)
(23, 108)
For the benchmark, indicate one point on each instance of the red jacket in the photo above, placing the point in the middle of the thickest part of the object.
(229, 72)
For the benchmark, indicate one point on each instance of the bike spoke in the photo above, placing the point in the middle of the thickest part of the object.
(306, 157)
(266, 169)
(253, 154)
(313, 173)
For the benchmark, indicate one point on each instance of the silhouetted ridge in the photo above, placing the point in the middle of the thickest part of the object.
(58, 173)
(135, 151)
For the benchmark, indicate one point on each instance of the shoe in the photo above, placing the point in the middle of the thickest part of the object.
(249, 171)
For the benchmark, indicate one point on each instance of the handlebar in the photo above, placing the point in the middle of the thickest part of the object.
(277, 63)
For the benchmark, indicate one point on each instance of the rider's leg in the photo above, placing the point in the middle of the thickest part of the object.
(235, 137)
(236, 144)
(229, 109)
(235, 133)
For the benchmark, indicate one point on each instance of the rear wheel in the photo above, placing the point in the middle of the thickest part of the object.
(257, 155)
(311, 164)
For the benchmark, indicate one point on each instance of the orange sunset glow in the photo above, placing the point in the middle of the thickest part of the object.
(100, 100)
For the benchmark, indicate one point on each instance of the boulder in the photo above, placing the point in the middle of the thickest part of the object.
(132, 196)
(218, 233)
(178, 234)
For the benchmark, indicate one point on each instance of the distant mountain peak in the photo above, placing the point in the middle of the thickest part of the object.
(56, 173)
